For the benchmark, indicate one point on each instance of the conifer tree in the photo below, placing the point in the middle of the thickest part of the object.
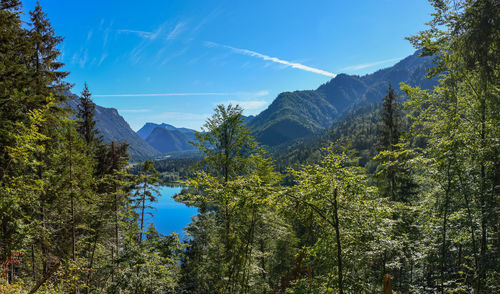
(146, 190)
(390, 125)
(86, 125)
(14, 77)
(45, 67)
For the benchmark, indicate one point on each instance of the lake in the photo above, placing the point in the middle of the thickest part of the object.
(171, 216)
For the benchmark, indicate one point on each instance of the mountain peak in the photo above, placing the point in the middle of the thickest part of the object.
(300, 113)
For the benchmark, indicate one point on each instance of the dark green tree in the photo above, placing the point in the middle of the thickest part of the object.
(390, 126)
(86, 125)
(47, 78)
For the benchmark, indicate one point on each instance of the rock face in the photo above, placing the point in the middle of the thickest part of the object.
(293, 115)
(113, 127)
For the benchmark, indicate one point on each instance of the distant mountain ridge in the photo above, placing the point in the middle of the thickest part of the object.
(113, 127)
(292, 115)
(167, 138)
(297, 114)
(148, 128)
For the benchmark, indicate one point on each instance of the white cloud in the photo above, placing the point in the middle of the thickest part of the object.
(89, 35)
(248, 105)
(367, 65)
(250, 95)
(142, 34)
(160, 31)
(101, 60)
(149, 38)
(176, 31)
(83, 58)
(106, 33)
(273, 59)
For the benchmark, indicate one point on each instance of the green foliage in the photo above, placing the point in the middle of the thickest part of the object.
(226, 142)
(346, 224)
(300, 114)
(459, 122)
(65, 198)
(426, 211)
(86, 125)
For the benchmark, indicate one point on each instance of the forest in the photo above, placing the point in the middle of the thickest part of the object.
(404, 194)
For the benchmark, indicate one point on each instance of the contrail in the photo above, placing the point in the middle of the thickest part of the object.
(273, 59)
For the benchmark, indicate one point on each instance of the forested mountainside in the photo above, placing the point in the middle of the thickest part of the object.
(406, 202)
(297, 114)
(359, 128)
(168, 139)
(113, 127)
(171, 140)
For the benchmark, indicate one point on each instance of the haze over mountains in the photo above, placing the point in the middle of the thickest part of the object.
(292, 115)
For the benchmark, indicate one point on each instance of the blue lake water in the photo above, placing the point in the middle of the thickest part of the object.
(170, 216)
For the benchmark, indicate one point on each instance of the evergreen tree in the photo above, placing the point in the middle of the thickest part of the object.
(86, 112)
(390, 126)
(146, 190)
(13, 52)
(45, 68)
(14, 77)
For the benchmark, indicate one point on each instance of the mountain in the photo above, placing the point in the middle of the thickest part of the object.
(298, 114)
(148, 128)
(113, 127)
(248, 119)
(167, 139)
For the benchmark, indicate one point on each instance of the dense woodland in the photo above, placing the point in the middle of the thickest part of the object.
(405, 190)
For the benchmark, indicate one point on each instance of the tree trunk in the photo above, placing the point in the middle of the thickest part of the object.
(142, 210)
(445, 223)
(339, 247)
(91, 262)
(73, 234)
(45, 278)
(33, 265)
(387, 284)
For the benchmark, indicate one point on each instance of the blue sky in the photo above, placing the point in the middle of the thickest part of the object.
(173, 61)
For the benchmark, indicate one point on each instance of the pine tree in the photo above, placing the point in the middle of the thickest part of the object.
(14, 77)
(45, 67)
(146, 190)
(393, 173)
(86, 125)
(390, 125)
